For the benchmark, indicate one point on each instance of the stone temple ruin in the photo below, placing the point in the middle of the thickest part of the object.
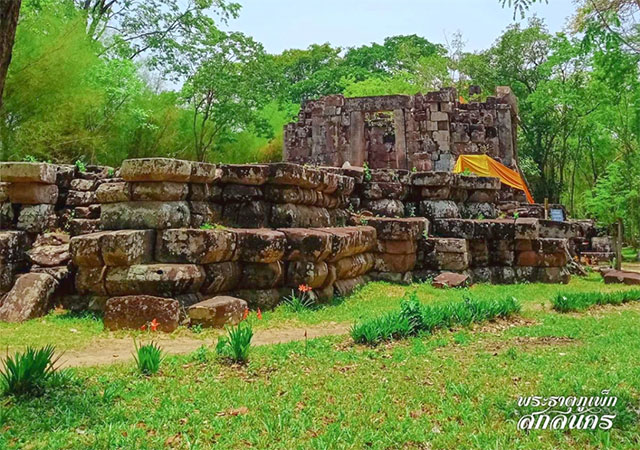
(173, 240)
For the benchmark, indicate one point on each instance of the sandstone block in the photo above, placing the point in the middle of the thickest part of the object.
(397, 247)
(163, 280)
(241, 193)
(26, 172)
(259, 245)
(296, 175)
(437, 209)
(262, 275)
(451, 280)
(145, 215)
(384, 207)
(37, 218)
(86, 250)
(388, 262)
(114, 192)
(217, 312)
(311, 273)
(251, 174)
(202, 172)
(431, 178)
(221, 277)
(356, 265)
(195, 246)
(343, 288)
(298, 216)
(155, 169)
(79, 184)
(30, 297)
(348, 241)
(304, 244)
(165, 191)
(90, 280)
(49, 255)
(127, 247)
(33, 193)
(254, 214)
(79, 227)
(13, 246)
(398, 229)
(134, 311)
(261, 298)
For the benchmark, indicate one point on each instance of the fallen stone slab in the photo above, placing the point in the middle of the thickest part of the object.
(26, 172)
(49, 255)
(162, 280)
(155, 169)
(621, 276)
(145, 215)
(451, 279)
(183, 245)
(135, 311)
(33, 193)
(30, 297)
(217, 312)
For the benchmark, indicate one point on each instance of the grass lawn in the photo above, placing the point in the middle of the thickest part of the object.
(455, 389)
(69, 331)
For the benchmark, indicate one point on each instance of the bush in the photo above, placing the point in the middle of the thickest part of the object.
(148, 358)
(30, 372)
(237, 343)
(581, 301)
(414, 318)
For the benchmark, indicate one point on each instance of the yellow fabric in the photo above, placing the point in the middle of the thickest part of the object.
(486, 166)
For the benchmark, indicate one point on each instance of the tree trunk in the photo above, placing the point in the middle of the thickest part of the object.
(9, 10)
(619, 244)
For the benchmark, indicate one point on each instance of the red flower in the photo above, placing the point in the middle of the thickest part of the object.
(246, 314)
(143, 327)
(304, 288)
(154, 325)
(259, 314)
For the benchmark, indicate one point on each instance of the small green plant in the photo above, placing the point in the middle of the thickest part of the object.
(197, 328)
(29, 372)
(209, 226)
(29, 158)
(202, 354)
(300, 302)
(516, 215)
(414, 169)
(425, 234)
(410, 210)
(235, 346)
(386, 328)
(81, 166)
(367, 172)
(363, 221)
(467, 173)
(111, 172)
(148, 358)
(480, 217)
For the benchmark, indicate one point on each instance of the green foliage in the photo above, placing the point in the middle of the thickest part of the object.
(148, 358)
(414, 318)
(567, 302)
(298, 303)
(29, 372)
(235, 346)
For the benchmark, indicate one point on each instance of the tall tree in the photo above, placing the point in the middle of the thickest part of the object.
(9, 10)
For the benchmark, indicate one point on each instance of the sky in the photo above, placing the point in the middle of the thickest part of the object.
(284, 24)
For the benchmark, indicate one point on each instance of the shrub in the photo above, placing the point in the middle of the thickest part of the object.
(148, 358)
(237, 343)
(29, 372)
(414, 318)
(581, 301)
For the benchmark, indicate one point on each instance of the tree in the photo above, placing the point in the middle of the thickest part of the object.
(9, 10)
(227, 91)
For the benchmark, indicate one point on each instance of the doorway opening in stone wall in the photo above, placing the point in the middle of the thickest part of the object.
(381, 136)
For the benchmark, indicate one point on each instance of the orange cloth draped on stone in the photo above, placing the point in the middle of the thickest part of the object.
(486, 166)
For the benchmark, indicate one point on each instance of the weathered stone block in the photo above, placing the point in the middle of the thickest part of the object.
(251, 174)
(221, 277)
(259, 245)
(90, 280)
(397, 247)
(7, 272)
(478, 253)
(376, 191)
(263, 299)
(37, 218)
(115, 192)
(26, 172)
(195, 246)
(204, 173)
(290, 194)
(431, 178)
(348, 241)
(79, 184)
(217, 312)
(384, 207)
(356, 265)
(262, 275)
(163, 280)
(343, 288)
(398, 229)
(165, 191)
(296, 175)
(30, 297)
(127, 247)
(81, 198)
(155, 169)
(33, 193)
(304, 244)
(451, 280)
(78, 227)
(241, 193)
(388, 262)
(49, 255)
(86, 250)
(298, 216)
(254, 214)
(145, 215)
(133, 312)
(310, 273)
(475, 182)
(437, 209)
(456, 228)
(13, 246)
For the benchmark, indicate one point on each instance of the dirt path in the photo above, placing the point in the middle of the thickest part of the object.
(112, 351)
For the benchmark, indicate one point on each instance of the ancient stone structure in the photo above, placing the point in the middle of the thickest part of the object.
(421, 132)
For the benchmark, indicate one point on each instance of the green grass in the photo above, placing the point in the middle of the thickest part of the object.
(455, 389)
(69, 331)
(563, 302)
